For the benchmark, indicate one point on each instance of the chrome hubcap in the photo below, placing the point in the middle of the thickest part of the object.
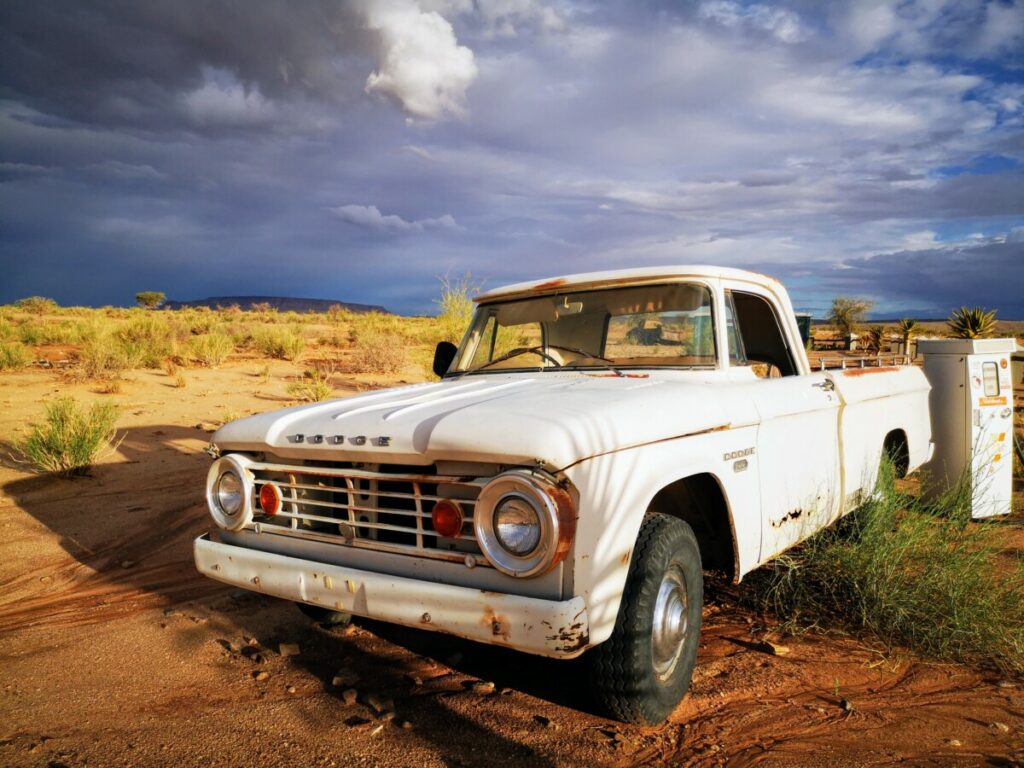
(669, 624)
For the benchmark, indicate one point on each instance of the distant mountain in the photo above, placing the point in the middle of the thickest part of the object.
(280, 303)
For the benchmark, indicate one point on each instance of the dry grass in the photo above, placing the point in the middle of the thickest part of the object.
(71, 438)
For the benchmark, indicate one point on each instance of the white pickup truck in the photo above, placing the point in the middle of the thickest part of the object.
(595, 443)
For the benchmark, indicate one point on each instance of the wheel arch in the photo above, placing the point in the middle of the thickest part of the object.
(897, 447)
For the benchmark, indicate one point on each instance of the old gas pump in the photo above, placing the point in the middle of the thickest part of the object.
(971, 405)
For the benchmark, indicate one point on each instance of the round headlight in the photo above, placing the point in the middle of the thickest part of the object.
(517, 525)
(524, 522)
(229, 493)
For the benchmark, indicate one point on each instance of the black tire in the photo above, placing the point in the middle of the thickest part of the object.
(633, 682)
(324, 615)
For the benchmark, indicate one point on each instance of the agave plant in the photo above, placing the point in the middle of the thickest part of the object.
(972, 323)
(908, 328)
(875, 337)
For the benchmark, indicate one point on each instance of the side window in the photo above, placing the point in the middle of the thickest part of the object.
(760, 335)
(737, 355)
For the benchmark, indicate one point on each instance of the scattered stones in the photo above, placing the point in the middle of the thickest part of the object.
(380, 704)
(386, 715)
(482, 687)
(228, 646)
(846, 705)
(350, 696)
(289, 649)
(954, 743)
(261, 675)
(1001, 727)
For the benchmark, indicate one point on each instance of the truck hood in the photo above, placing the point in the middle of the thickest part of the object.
(556, 419)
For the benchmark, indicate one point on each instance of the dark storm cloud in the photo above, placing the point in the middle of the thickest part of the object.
(359, 149)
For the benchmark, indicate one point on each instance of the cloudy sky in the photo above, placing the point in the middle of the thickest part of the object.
(357, 150)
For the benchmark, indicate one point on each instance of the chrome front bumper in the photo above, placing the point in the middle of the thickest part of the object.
(558, 629)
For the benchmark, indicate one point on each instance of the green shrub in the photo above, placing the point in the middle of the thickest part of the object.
(210, 349)
(278, 342)
(313, 387)
(37, 305)
(72, 438)
(13, 355)
(910, 573)
(148, 340)
(103, 358)
(379, 353)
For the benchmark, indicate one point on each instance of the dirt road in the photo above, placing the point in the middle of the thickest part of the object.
(114, 652)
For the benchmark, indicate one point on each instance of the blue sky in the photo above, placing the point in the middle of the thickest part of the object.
(359, 150)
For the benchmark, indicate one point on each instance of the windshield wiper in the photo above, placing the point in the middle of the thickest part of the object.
(538, 350)
(607, 361)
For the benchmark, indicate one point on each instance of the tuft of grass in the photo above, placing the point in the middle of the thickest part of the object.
(102, 358)
(314, 386)
(279, 342)
(382, 353)
(147, 340)
(910, 573)
(456, 306)
(13, 355)
(180, 381)
(210, 349)
(72, 438)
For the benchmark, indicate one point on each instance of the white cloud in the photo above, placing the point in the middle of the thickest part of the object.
(371, 217)
(420, 64)
(222, 101)
(783, 24)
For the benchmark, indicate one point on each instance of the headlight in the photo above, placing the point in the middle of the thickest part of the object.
(524, 523)
(517, 525)
(229, 492)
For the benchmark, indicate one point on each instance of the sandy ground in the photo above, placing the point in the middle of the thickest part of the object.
(113, 651)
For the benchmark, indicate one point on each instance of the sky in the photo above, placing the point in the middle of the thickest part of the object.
(360, 150)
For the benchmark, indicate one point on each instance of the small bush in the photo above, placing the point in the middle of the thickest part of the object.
(13, 355)
(72, 438)
(103, 358)
(379, 353)
(278, 342)
(314, 386)
(148, 340)
(210, 349)
(37, 305)
(909, 573)
(456, 307)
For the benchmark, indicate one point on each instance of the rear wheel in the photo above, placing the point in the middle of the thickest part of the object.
(324, 615)
(643, 670)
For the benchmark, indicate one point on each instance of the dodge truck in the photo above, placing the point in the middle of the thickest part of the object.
(565, 485)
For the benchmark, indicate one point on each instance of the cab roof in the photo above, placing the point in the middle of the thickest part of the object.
(637, 275)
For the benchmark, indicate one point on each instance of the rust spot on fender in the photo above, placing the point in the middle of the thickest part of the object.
(625, 557)
(792, 515)
(855, 372)
(618, 375)
(566, 512)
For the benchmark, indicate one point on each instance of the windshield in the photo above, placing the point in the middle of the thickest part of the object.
(635, 327)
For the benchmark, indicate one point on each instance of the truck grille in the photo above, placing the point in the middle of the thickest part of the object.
(379, 510)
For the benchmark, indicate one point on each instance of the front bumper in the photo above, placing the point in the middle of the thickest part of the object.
(558, 629)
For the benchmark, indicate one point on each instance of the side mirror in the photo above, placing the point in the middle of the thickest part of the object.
(444, 354)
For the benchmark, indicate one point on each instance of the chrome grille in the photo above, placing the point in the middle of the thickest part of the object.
(379, 510)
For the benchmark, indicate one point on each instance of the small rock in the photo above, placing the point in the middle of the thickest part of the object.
(414, 679)
(251, 641)
(289, 649)
(377, 730)
(775, 649)
(483, 687)
(291, 689)
(345, 678)
(386, 715)
(127, 563)
(261, 676)
(1006, 684)
(257, 658)
(405, 725)
(846, 705)
(954, 743)
(1002, 727)
(379, 703)
(350, 696)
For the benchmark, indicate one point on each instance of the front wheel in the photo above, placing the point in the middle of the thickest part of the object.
(643, 670)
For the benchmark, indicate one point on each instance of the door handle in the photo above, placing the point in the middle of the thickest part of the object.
(827, 385)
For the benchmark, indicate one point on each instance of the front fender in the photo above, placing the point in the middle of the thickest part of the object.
(615, 492)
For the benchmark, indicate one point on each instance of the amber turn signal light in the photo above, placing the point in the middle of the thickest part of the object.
(447, 518)
(270, 499)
